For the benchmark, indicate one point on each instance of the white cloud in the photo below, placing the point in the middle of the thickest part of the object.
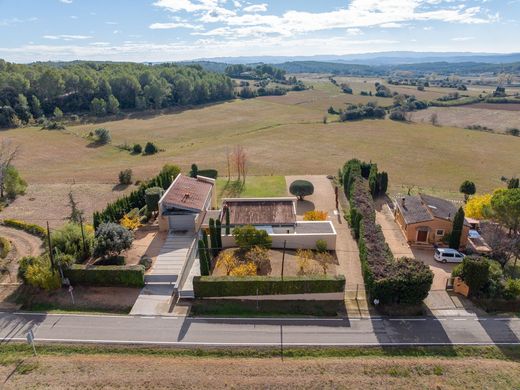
(13, 21)
(165, 26)
(111, 23)
(354, 31)
(461, 39)
(66, 37)
(256, 8)
(66, 1)
(391, 25)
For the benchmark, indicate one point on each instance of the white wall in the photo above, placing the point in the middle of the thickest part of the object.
(294, 241)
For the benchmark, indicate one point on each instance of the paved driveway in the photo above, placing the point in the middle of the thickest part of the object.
(346, 247)
(441, 271)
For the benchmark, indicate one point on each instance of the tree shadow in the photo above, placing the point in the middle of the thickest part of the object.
(302, 206)
(232, 189)
(120, 187)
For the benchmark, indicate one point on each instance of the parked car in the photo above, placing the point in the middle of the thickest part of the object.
(448, 255)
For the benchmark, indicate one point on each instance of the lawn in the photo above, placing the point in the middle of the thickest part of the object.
(255, 186)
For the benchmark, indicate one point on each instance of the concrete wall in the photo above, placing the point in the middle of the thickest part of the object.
(294, 241)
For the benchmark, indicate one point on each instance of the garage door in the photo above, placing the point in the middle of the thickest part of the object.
(182, 222)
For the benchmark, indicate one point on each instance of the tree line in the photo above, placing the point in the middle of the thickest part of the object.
(38, 90)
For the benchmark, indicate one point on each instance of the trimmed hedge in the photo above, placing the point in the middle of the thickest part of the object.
(211, 173)
(35, 230)
(232, 286)
(106, 275)
(393, 281)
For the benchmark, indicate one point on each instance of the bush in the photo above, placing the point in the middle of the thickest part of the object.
(112, 239)
(52, 125)
(244, 269)
(68, 240)
(125, 177)
(222, 286)
(211, 173)
(114, 260)
(5, 247)
(260, 258)
(30, 228)
(321, 246)
(475, 273)
(102, 136)
(107, 275)
(39, 274)
(137, 149)
(315, 215)
(23, 264)
(398, 115)
(152, 197)
(13, 183)
(301, 188)
(131, 220)
(150, 148)
(146, 262)
(512, 289)
(248, 236)
(513, 131)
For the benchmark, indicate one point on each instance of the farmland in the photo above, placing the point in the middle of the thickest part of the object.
(282, 135)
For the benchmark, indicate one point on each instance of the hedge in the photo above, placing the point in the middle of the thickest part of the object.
(211, 173)
(30, 228)
(392, 281)
(106, 275)
(232, 286)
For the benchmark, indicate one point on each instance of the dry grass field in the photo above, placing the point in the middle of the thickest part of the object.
(120, 371)
(283, 135)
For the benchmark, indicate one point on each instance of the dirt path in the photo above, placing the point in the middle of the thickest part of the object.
(125, 372)
(22, 244)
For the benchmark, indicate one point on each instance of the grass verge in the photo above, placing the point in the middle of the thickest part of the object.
(14, 352)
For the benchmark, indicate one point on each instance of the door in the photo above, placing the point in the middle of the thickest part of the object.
(182, 222)
(422, 236)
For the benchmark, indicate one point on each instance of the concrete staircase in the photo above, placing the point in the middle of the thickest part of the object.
(162, 281)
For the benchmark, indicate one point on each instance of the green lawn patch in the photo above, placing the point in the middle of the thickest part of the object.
(254, 187)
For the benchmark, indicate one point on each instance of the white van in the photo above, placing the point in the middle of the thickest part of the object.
(448, 255)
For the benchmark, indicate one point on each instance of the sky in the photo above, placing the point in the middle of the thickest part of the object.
(175, 30)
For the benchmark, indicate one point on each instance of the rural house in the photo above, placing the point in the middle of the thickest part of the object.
(426, 219)
(185, 203)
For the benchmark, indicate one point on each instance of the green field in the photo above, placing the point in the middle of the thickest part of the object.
(255, 186)
(282, 135)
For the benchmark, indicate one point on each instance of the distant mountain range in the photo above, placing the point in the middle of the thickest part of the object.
(379, 58)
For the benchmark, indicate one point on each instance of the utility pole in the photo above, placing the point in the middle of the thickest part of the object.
(82, 235)
(283, 256)
(51, 254)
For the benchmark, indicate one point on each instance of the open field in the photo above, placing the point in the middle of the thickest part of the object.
(75, 367)
(498, 117)
(282, 135)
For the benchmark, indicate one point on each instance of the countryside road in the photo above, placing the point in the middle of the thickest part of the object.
(181, 331)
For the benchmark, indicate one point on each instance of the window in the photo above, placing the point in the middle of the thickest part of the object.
(448, 255)
(439, 232)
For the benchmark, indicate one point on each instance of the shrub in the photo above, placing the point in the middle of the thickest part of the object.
(304, 257)
(248, 236)
(13, 183)
(260, 257)
(112, 239)
(315, 215)
(131, 220)
(398, 115)
(125, 177)
(513, 131)
(512, 289)
(475, 273)
(63, 260)
(39, 274)
(150, 148)
(146, 262)
(5, 247)
(194, 170)
(222, 286)
(102, 136)
(211, 173)
(30, 228)
(23, 264)
(68, 240)
(324, 259)
(244, 269)
(107, 275)
(137, 149)
(52, 125)
(321, 246)
(301, 188)
(152, 197)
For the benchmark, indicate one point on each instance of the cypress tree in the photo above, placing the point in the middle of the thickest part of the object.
(384, 183)
(372, 180)
(218, 231)
(203, 259)
(213, 237)
(456, 232)
(228, 227)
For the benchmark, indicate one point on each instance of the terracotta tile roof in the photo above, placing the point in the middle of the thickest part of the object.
(188, 193)
(260, 212)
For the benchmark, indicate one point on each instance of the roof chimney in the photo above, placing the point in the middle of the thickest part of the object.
(403, 201)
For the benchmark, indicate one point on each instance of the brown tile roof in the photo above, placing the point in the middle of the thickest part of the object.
(260, 212)
(421, 208)
(188, 193)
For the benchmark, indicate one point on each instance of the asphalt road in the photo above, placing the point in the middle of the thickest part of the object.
(259, 331)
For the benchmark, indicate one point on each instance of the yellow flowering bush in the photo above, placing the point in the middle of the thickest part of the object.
(245, 269)
(315, 215)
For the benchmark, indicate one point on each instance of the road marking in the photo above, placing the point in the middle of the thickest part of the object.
(169, 318)
(459, 319)
(440, 319)
(147, 317)
(202, 343)
(407, 319)
(502, 319)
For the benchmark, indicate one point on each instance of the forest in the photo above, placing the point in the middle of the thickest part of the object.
(34, 91)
